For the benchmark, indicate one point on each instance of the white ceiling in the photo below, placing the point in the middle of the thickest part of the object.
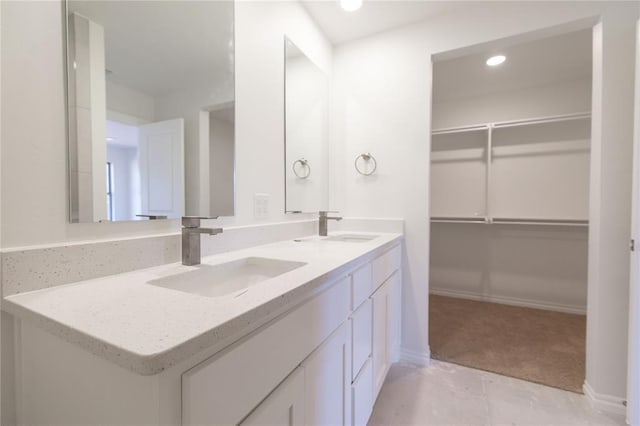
(532, 64)
(373, 17)
(163, 46)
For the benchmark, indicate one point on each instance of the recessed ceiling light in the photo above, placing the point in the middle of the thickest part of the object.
(351, 5)
(110, 139)
(496, 60)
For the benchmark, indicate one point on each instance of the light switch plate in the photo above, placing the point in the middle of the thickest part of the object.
(261, 205)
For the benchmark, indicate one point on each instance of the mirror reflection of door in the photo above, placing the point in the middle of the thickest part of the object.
(161, 159)
(144, 172)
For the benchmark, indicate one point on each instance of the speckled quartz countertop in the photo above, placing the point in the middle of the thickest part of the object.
(146, 328)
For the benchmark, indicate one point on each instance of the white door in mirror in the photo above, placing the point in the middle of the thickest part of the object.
(161, 157)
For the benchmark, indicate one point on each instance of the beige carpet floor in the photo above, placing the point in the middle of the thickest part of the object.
(532, 344)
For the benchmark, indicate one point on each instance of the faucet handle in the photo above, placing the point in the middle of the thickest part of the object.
(194, 221)
(326, 212)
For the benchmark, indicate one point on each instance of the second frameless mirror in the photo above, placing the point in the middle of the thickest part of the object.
(151, 109)
(306, 133)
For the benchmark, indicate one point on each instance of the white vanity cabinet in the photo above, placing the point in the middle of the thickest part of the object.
(320, 362)
(225, 388)
(353, 327)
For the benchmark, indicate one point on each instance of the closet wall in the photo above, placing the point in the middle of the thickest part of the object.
(509, 194)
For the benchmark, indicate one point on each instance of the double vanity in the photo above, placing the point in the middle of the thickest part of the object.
(295, 332)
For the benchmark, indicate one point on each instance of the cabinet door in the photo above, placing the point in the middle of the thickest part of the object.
(380, 352)
(362, 394)
(327, 378)
(360, 337)
(284, 406)
(394, 322)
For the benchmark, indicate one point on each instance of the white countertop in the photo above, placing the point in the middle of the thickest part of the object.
(147, 328)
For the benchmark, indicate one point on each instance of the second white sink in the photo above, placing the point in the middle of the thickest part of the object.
(227, 279)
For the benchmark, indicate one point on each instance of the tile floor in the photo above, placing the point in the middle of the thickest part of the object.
(448, 394)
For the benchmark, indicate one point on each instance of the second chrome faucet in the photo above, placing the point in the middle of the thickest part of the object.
(191, 238)
(322, 222)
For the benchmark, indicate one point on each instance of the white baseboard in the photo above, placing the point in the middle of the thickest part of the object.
(422, 359)
(511, 301)
(605, 403)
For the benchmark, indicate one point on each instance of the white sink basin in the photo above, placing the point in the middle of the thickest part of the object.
(227, 279)
(352, 238)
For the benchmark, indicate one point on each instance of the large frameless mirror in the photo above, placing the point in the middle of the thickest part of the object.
(306, 133)
(150, 90)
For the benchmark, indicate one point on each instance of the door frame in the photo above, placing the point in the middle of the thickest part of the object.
(633, 369)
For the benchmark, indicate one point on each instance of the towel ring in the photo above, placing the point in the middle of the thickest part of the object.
(304, 163)
(366, 157)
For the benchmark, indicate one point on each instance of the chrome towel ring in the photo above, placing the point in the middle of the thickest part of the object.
(305, 164)
(366, 157)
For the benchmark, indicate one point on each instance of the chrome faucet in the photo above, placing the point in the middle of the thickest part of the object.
(322, 222)
(191, 238)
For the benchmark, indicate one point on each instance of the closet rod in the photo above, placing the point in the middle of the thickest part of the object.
(458, 219)
(541, 120)
(464, 129)
(509, 221)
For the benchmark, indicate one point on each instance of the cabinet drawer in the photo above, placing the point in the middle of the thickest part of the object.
(216, 391)
(362, 395)
(385, 265)
(361, 337)
(361, 286)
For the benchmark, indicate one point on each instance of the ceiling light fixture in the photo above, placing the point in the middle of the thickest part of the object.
(496, 60)
(109, 139)
(351, 5)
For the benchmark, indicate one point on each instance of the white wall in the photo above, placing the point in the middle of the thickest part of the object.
(382, 104)
(35, 156)
(534, 266)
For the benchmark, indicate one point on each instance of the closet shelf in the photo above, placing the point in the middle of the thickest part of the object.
(509, 221)
(513, 123)
(459, 219)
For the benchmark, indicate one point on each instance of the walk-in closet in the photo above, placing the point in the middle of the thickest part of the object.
(510, 154)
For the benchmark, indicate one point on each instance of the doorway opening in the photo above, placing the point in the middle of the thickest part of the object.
(510, 207)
